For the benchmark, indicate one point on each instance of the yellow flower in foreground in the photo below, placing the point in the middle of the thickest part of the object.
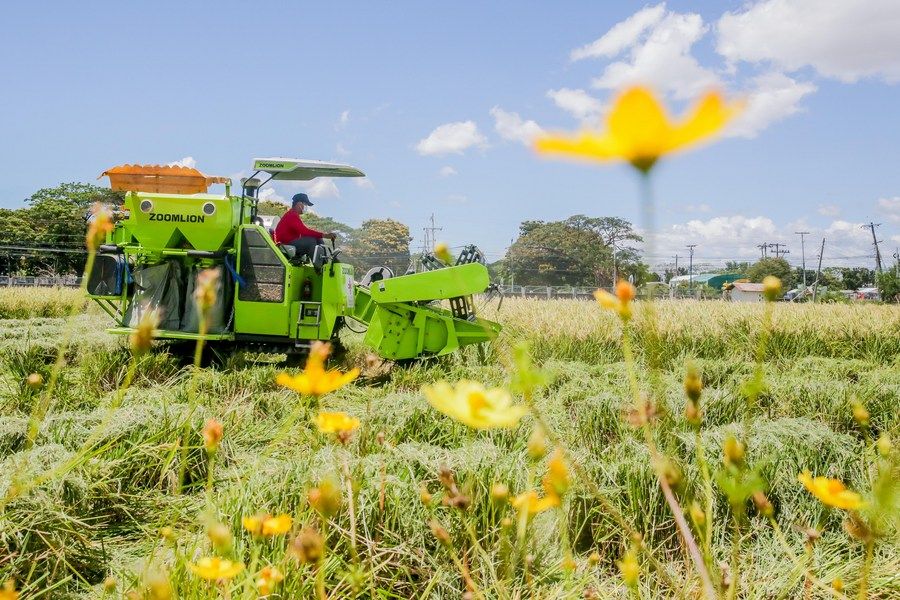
(533, 504)
(556, 481)
(442, 251)
(99, 225)
(336, 422)
(213, 567)
(267, 579)
(473, 405)
(639, 131)
(831, 491)
(315, 380)
(630, 568)
(8, 591)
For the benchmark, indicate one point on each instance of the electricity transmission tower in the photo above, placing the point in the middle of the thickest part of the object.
(871, 226)
(430, 239)
(803, 255)
(762, 249)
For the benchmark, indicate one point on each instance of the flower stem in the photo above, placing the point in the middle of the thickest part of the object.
(867, 567)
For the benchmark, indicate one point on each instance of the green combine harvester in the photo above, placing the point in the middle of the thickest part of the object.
(270, 300)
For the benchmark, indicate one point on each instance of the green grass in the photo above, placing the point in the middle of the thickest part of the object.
(102, 517)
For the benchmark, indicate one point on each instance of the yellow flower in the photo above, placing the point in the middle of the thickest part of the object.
(614, 303)
(556, 482)
(100, 224)
(639, 131)
(315, 380)
(630, 568)
(276, 525)
(533, 504)
(831, 491)
(442, 251)
(8, 591)
(213, 567)
(267, 579)
(336, 422)
(212, 435)
(473, 405)
(253, 524)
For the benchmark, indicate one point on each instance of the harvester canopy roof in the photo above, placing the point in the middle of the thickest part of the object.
(298, 169)
(162, 179)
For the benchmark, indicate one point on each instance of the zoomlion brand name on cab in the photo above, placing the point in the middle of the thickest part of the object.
(177, 218)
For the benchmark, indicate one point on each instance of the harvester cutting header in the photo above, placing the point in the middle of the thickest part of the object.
(272, 295)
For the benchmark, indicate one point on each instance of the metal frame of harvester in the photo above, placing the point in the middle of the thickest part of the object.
(169, 229)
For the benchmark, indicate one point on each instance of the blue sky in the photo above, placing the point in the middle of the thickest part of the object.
(89, 86)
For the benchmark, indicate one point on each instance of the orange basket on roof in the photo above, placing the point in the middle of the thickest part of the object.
(161, 179)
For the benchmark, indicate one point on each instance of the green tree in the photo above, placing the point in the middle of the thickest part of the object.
(778, 267)
(577, 251)
(857, 277)
(271, 208)
(380, 242)
(889, 286)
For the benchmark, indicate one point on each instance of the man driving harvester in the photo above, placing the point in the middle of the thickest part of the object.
(291, 231)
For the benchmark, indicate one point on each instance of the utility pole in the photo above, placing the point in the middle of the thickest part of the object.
(778, 251)
(762, 249)
(802, 254)
(676, 266)
(615, 276)
(691, 266)
(818, 272)
(871, 226)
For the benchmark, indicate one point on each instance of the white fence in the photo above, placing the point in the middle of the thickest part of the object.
(30, 281)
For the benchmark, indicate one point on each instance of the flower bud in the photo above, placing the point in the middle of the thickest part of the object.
(693, 385)
(884, 445)
(537, 443)
(568, 564)
(167, 534)
(557, 478)
(109, 585)
(697, 514)
(439, 532)
(34, 381)
(212, 435)
(625, 292)
(837, 585)
(506, 522)
(630, 568)
(606, 300)
(142, 338)
(442, 251)
(860, 414)
(499, 492)
(762, 503)
(733, 452)
(771, 288)
(692, 413)
(206, 289)
(307, 546)
(594, 559)
(219, 536)
(424, 495)
(325, 498)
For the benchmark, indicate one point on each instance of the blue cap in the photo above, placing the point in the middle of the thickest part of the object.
(301, 198)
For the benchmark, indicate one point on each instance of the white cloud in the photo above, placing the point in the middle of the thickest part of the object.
(187, 161)
(622, 35)
(447, 171)
(512, 127)
(364, 183)
(321, 187)
(890, 208)
(838, 38)
(271, 195)
(451, 138)
(737, 237)
(342, 120)
(829, 210)
(341, 150)
(456, 199)
(657, 47)
(578, 103)
(774, 97)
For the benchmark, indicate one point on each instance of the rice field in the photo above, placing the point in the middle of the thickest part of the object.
(117, 497)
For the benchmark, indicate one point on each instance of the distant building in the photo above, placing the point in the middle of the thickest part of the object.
(747, 292)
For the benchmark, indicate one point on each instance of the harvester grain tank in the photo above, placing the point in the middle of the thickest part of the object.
(170, 228)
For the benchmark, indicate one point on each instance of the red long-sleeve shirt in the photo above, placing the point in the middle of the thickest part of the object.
(290, 227)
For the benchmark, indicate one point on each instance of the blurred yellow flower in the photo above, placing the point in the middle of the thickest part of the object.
(556, 482)
(99, 225)
(614, 303)
(336, 422)
(630, 568)
(213, 568)
(531, 503)
(315, 380)
(8, 591)
(276, 525)
(639, 131)
(831, 491)
(267, 579)
(473, 405)
(442, 251)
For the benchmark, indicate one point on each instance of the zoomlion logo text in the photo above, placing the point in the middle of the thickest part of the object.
(177, 218)
(270, 165)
